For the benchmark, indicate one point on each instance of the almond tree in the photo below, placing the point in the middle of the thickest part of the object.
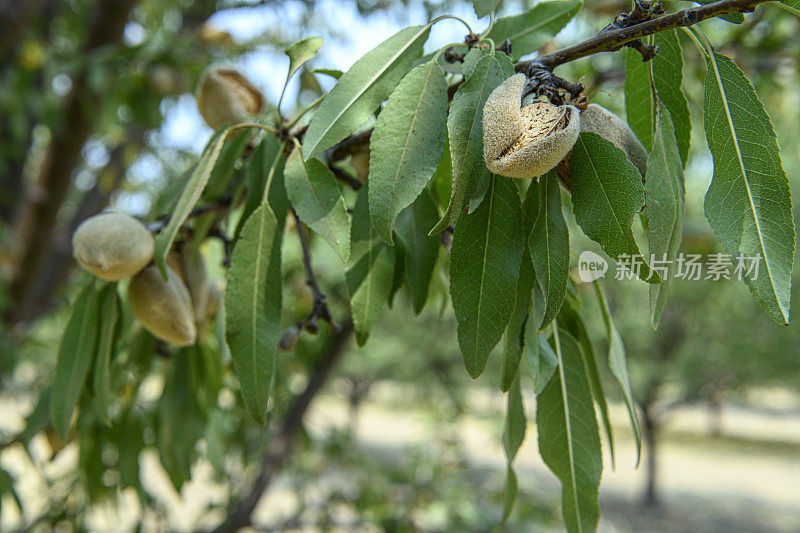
(423, 170)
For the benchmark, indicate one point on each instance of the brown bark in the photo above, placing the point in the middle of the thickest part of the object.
(652, 497)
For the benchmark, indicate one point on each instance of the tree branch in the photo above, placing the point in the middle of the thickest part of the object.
(607, 40)
(612, 40)
(281, 445)
(319, 308)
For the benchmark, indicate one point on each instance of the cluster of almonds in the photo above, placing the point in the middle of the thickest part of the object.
(115, 246)
(526, 142)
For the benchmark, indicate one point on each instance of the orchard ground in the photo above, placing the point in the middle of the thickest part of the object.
(741, 481)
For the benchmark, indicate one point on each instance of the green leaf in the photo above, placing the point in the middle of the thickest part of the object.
(792, 6)
(549, 246)
(37, 420)
(607, 193)
(639, 96)
(668, 77)
(617, 362)
(569, 442)
(663, 75)
(315, 194)
(510, 493)
(471, 59)
(443, 177)
(129, 434)
(370, 270)
(399, 275)
(267, 157)
(465, 129)
(406, 145)
(187, 199)
(253, 308)
(530, 31)
(512, 348)
(571, 320)
(108, 316)
(514, 431)
(484, 7)
(332, 72)
(225, 167)
(748, 204)
(177, 427)
(665, 206)
(75, 356)
(484, 267)
(541, 358)
(421, 250)
(191, 193)
(300, 52)
(360, 90)
(513, 436)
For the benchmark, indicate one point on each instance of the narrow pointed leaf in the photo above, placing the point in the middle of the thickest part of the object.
(668, 78)
(406, 145)
(484, 266)
(315, 195)
(420, 248)
(75, 357)
(514, 337)
(748, 204)
(399, 275)
(569, 442)
(188, 198)
(549, 246)
(658, 79)
(607, 193)
(665, 206)
(640, 97)
(538, 352)
(360, 90)
(571, 320)
(109, 316)
(253, 308)
(267, 154)
(530, 31)
(465, 130)
(370, 271)
(513, 436)
(300, 52)
(484, 7)
(191, 193)
(618, 363)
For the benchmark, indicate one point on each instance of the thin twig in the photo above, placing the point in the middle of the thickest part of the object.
(319, 308)
(217, 205)
(345, 177)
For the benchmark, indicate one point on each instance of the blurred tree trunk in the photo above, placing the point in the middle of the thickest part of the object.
(652, 497)
(35, 220)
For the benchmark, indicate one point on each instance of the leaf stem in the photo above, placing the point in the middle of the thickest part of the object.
(305, 110)
(442, 17)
